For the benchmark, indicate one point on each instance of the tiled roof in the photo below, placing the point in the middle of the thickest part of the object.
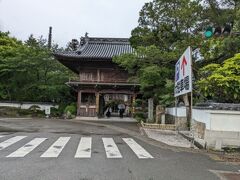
(99, 48)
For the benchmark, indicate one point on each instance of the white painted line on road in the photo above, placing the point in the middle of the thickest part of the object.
(137, 149)
(111, 148)
(10, 141)
(1, 136)
(84, 148)
(27, 148)
(56, 148)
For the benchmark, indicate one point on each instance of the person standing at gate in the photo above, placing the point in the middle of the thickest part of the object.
(109, 111)
(121, 108)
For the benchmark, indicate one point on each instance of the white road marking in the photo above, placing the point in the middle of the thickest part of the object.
(56, 148)
(1, 136)
(137, 149)
(84, 148)
(10, 141)
(27, 148)
(111, 148)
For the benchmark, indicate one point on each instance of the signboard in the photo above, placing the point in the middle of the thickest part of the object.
(48, 110)
(183, 74)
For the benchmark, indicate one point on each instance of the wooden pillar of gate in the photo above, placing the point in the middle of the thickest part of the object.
(97, 103)
(133, 103)
(79, 99)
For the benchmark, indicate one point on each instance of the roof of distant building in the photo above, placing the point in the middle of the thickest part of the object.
(98, 48)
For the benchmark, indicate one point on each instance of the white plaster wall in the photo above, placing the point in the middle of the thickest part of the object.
(17, 105)
(181, 111)
(41, 106)
(216, 120)
(27, 105)
(220, 124)
(225, 121)
(202, 116)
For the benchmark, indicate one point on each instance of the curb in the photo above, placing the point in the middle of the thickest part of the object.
(197, 144)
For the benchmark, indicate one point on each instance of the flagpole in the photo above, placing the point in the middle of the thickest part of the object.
(175, 117)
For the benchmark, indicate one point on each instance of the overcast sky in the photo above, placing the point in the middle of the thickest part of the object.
(69, 18)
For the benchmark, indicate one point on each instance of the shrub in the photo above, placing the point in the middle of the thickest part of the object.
(140, 116)
(221, 82)
(30, 113)
(56, 112)
(70, 111)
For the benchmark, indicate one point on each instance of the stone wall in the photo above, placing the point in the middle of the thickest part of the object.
(217, 125)
(199, 129)
(226, 138)
(179, 122)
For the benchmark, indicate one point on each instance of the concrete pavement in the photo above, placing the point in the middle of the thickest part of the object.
(171, 138)
(166, 162)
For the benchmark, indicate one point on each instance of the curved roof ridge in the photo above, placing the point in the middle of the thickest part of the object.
(108, 39)
(108, 42)
(99, 48)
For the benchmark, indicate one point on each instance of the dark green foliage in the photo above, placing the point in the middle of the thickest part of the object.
(140, 116)
(216, 50)
(164, 32)
(55, 112)
(166, 28)
(28, 72)
(140, 103)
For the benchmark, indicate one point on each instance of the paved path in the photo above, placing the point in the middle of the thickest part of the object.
(169, 137)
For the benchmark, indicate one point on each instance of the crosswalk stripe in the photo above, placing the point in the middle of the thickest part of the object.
(27, 148)
(56, 148)
(10, 141)
(84, 148)
(111, 148)
(137, 149)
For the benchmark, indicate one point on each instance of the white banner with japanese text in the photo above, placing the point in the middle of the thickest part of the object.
(183, 74)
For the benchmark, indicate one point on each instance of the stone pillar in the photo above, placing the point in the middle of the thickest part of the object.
(188, 110)
(163, 118)
(160, 114)
(150, 109)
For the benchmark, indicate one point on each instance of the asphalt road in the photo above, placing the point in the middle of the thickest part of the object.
(115, 151)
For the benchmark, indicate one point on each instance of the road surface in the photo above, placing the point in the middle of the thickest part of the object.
(39, 149)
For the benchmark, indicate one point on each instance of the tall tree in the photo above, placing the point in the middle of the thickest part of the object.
(165, 29)
(163, 22)
(28, 72)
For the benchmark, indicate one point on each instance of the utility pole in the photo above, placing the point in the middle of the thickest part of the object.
(50, 38)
